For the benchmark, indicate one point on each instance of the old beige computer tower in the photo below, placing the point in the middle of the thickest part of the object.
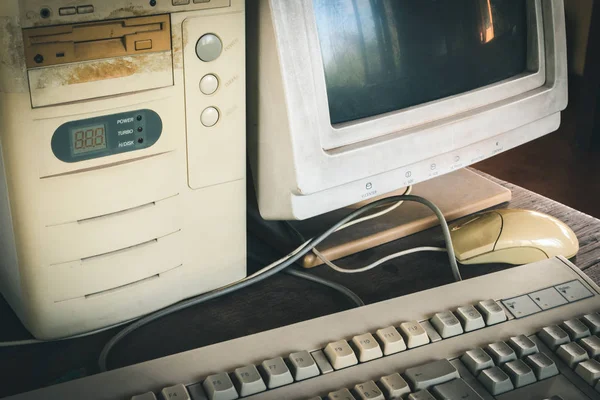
(122, 127)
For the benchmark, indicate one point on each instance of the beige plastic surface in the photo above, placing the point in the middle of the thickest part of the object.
(522, 236)
(195, 365)
(86, 80)
(222, 146)
(102, 241)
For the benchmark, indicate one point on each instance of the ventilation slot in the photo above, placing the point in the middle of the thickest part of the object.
(128, 286)
(120, 251)
(118, 213)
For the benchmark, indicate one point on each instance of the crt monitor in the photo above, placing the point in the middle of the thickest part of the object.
(352, 99)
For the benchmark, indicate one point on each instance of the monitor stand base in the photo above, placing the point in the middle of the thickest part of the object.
(457, 194)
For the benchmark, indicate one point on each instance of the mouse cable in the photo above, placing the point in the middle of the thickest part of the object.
(276, 267)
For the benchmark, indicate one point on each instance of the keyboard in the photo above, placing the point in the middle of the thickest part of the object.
(528, 332)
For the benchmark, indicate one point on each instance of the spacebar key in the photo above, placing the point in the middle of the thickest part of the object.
(432, 374)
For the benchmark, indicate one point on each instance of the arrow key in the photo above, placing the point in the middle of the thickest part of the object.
(456, 389)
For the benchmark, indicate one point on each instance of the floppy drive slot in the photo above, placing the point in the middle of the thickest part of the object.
(96, 40)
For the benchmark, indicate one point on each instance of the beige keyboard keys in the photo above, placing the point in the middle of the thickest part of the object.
(414, 334)
(391, 340)
(276, 373)
(220, 387)
(553, 336)
(368, 391)
(367, 347)
(572, 354)
(496, 381)
(590, 371)
(470, 318)
(542, 366)
(447, 324)
(592, 321)
(501, 353)
(523, 346)
(340, 354)
(178, 392)
(575, 329)
(394, 386)
(303, 366)
(477, 360)
(492, 312)
(343, 394)
(591, 345)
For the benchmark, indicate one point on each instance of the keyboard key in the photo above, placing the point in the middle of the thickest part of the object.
(477, 360)
(394, 386)
(431, 374)
(456, 389)
(421, 395)
(367, 347)
(343, 394)
(591, 345)
(519, 373)
(523, 346)
(575, 329)
(178, 392)
(322, 362)
(542, 366)
(553, 336)
(572, 354)
(248, 381)
(303, 366)
(145, 396)
(501, 353)
(446, 324)
(495, 381)
(470, 318)
(492, 312)
(220, 387)
(593, 322)
(413, 334)
(340, 354)
(391, 340)
(276, 373)
(590, 371)
(368, 391)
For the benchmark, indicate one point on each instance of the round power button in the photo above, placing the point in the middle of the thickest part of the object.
(209, 117)
(209, 47)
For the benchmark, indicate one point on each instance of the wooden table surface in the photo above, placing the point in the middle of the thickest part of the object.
(279, 301)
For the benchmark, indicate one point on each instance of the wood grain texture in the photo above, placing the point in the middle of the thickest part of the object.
(279, 301)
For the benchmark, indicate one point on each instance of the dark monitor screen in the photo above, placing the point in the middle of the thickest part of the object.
(386, 55)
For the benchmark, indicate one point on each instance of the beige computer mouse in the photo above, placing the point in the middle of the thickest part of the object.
(512, 237)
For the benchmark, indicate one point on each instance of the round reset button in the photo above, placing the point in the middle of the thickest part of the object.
(209, 47)
(209, 84)
(209, 117)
